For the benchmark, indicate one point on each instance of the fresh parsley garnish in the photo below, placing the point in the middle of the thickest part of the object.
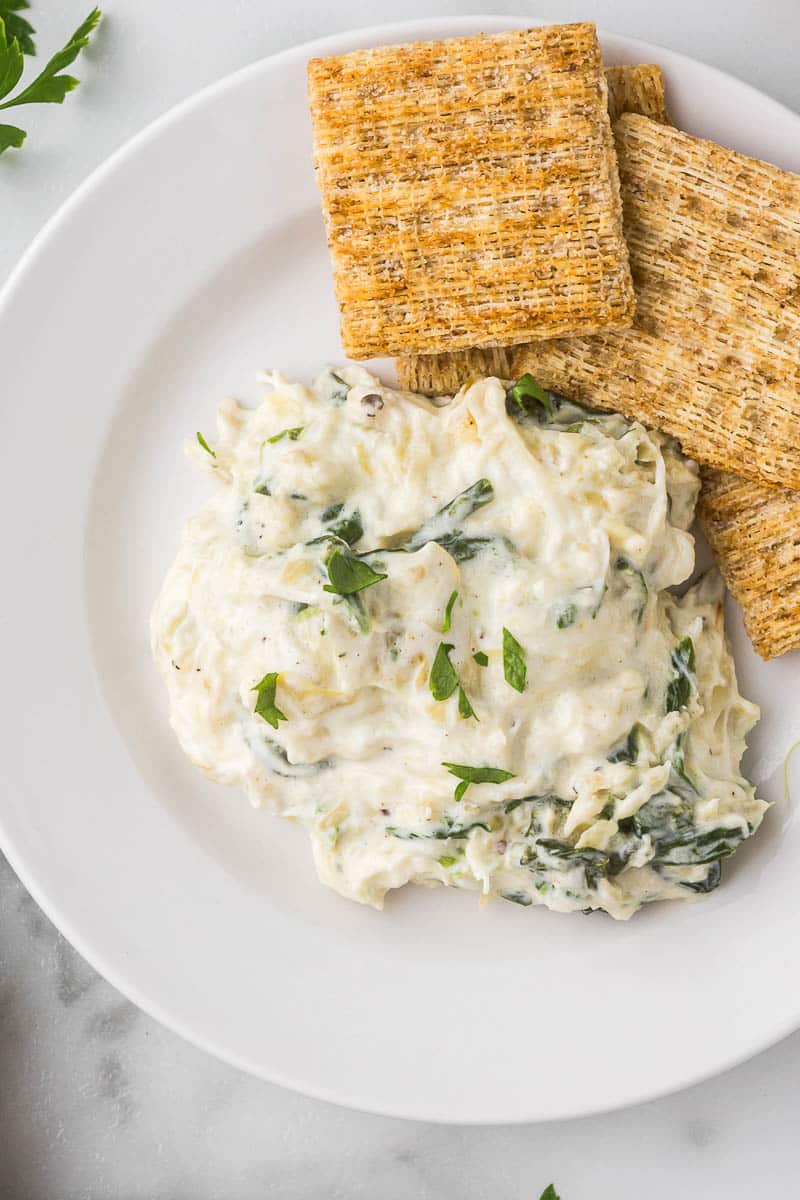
(481, 659)
(291, 434)
(549, 1193)
(447, 860)
(49, 86)
(443, 679)
(448, 612)
(465, 709)
(16, 26)
(265, 700)
(528, 398)
(469, 775)
(514, 666)
(213, 453)
(348, 574)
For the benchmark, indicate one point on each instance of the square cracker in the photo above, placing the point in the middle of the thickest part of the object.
(470, 191)
(712, 357)
(755, 533)
(638, 89)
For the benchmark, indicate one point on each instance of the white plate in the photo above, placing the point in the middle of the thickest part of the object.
(194, 257)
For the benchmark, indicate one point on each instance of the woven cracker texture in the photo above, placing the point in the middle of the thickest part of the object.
(755, 533)
(712, 358)
(637, 89)
(470, 191)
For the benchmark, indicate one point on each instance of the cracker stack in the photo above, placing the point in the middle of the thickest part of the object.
(638, 89)
(712, 358)
(470, 192)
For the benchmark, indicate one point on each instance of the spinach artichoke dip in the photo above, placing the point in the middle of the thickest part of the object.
(440, 637)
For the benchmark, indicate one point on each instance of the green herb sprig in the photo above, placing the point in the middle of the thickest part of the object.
(18, 27)
(265, 700)
(514, 665)
(49, 86)
(469, 775)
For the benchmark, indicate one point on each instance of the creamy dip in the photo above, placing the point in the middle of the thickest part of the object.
(440, 637)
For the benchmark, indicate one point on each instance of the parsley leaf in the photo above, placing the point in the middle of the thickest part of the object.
(292, 434)
(514, 667)
(549, 1193)
(469, 775)
(207, 448)
(481, 659)
(465, 709)
(265, 700)
(49, 87)
(527, 397)
(18, 28)
(443, 679)
(11, 136)
(348, 574)
(448, 612)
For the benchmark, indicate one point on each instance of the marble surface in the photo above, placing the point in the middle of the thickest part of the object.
(96, 1100)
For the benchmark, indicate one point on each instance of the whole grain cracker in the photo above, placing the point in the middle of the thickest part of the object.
(755, 533)
(712, 357)
(470, 191)
(638, 89)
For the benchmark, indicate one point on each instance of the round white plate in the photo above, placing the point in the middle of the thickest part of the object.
(194, 257)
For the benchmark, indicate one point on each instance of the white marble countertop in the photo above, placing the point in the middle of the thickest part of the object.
(96, 1100)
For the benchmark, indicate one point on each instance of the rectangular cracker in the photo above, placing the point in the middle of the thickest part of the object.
(638, 89)
(712, 357)
(755, 533)
(470, 191)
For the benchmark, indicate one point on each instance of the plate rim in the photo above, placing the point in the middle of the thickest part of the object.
(351, 38)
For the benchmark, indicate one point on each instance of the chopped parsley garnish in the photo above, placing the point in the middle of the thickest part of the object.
(469, 775)
(481, 659)
(527, 397)
(514, 666)
(348, 574)
(207, 448)
(443, 679)
(679, 689)
(447, 860)
(448, 612)
(265, 700)
(291, 434)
